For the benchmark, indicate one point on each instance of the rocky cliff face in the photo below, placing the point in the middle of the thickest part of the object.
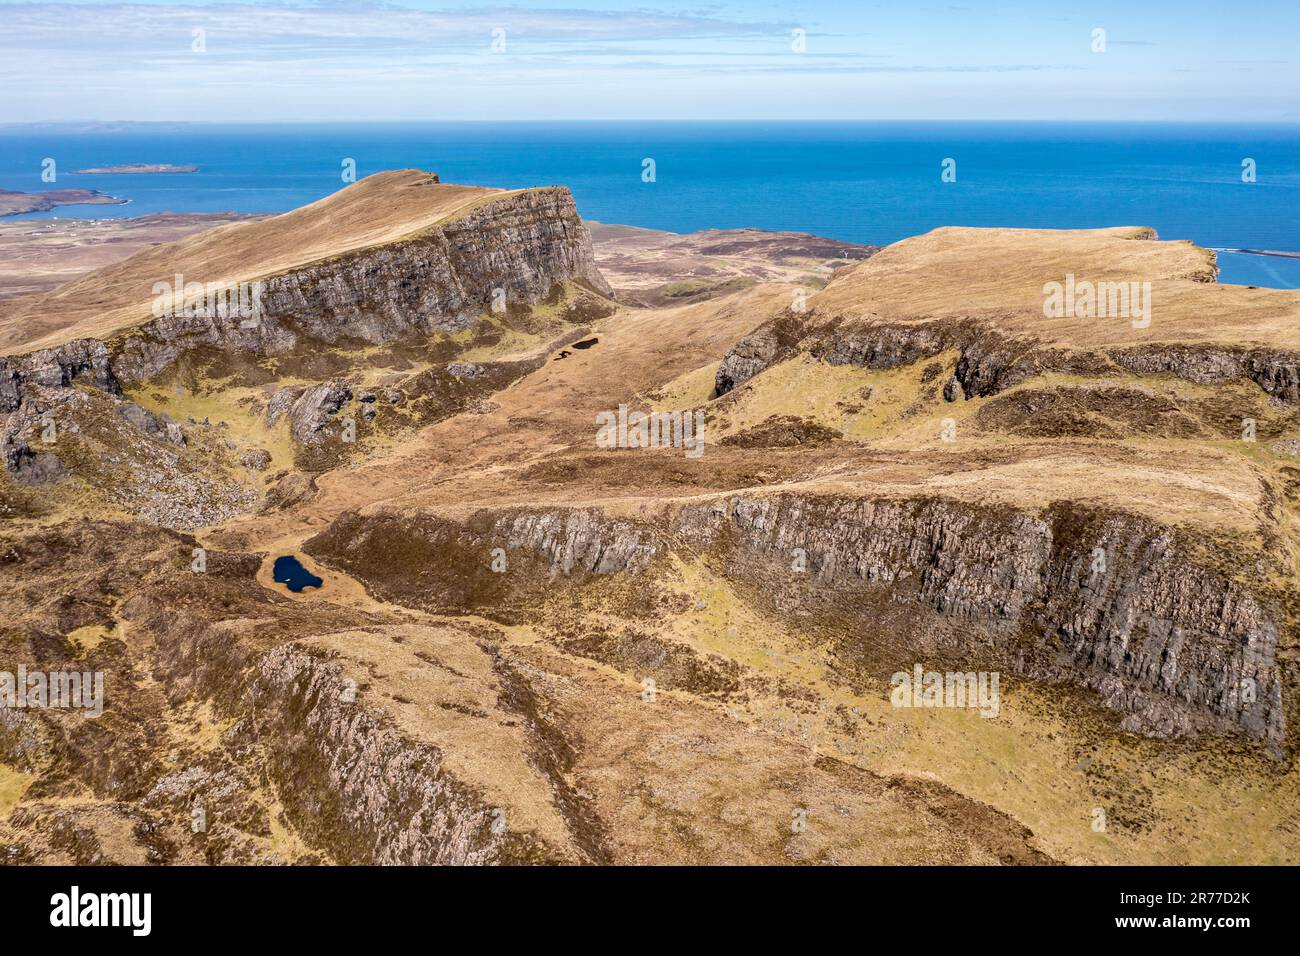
(500, 563)
(986, 363)
(1276, 372)
(1105, 601)
(83, 360)
(389, 798)
(507, 250)
(351, 781)
(989, 363)
(1108, 601)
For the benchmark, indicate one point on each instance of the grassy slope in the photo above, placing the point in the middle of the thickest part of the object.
(379, 209)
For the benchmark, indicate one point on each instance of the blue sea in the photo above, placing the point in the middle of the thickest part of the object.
(871, 182)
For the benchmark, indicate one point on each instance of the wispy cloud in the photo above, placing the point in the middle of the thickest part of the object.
(361, 59)
(271, 27)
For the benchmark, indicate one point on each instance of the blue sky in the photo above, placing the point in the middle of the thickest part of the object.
(609, 59)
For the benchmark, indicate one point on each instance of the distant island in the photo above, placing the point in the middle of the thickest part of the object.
(137, 168)
(15, 203)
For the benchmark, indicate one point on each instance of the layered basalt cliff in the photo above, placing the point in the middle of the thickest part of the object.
(989, 362)
(497, 562)
(1276, 372)
(986, 363)
(1106, 601)
(509, 249)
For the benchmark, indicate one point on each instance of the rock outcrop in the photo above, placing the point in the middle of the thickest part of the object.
(24, 453)
(773, 342)
(81, 360)
(153, 424)
(308, 410)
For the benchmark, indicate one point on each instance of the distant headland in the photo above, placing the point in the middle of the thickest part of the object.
(14, 203)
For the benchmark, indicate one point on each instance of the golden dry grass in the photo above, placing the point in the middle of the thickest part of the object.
(1024, 762)
(379, 209)
(997, 275)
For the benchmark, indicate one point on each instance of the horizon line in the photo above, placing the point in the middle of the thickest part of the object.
(591, 120)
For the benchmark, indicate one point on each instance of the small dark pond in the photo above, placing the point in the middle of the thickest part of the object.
(290, 572)
(584, 344)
